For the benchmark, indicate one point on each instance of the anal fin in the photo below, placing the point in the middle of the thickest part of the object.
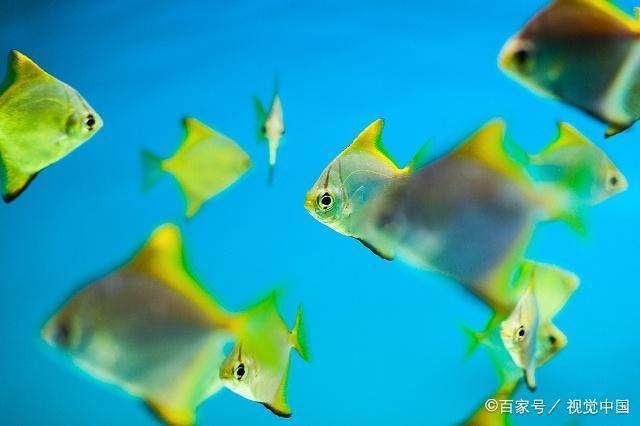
(14, 182)
(171, 416)
(375, 250)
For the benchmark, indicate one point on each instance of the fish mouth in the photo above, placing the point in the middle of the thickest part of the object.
(309, 202)
(504, 57)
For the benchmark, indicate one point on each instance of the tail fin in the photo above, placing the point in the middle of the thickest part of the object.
(474, 339)
(151, 168)
(261, 118)
(299, 336)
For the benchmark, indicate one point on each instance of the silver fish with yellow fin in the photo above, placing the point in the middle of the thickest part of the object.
(575, 164)
(257, 367)
(585, 53)
(270, 126)
(468, 215)
(149, 329)
(42, 120)
(206, 164)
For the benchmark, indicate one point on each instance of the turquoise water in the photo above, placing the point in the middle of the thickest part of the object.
(386, 340)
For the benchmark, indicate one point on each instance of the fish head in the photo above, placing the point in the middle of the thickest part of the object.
(82, 121)
(325, 201)
(64, 330)
(611, 181)
(519, 332)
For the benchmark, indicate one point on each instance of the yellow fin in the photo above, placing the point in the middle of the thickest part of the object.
(299, 336)
(591, 18)
(279, 405)
(22, 68)
(172, 416)
(196, 132)
(370, 141)
(487, 146)
(567, 136)
(14, 181)
(553, 286)
(162, 257)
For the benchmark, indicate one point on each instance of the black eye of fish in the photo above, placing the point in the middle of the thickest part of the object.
(521, 332)
(521, 56)
(552, 340)
(62, 334)
(263, 129)
(325, 200)
(240, 371)
(91, 121)
(613, 181)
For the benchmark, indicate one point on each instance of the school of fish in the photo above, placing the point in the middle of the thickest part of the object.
(153, 330)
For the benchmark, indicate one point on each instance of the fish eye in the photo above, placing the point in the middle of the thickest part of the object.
(552, 340)
(240, 371)
(521, 56)
(63, 334)
(520, 333)
(613, 181)
(263, 129)
(90, 121)
(325, 201)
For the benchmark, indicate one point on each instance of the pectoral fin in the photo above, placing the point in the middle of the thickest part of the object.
(14, 182)
(378, 252)
(172, 416)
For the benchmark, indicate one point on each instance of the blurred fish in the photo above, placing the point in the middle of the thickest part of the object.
(206, 163)
(528, 333)
(257, 367)
(338, 198)
(41, 121)
(270, 126)
(148, 328)
(575, 164)
(585, 53)
(484, 417)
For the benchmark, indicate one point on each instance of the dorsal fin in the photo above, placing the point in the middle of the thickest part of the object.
(299, 336)
(370, 141)
(24, 69)
(195, 132)
(420, 158)
(553, 286)
(279, 406)
(162, 257)
(567, 136)
(588, 18)
(486, 146)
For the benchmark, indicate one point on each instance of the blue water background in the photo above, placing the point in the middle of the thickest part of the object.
(386, 340)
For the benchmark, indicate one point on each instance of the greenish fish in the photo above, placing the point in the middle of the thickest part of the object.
(585, 53)
(206, 163)
(41, 121)
(257, 367)
(149, 329)
(270, 127)
(527, 333)
(575, 164)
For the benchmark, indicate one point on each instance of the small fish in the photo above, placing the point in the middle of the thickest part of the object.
(585, 53)
(41, 121)
(528, 333)
(257, 367)
(148, 328)
(339, 197)
(575, 164)
(206, 163)
(270, 127)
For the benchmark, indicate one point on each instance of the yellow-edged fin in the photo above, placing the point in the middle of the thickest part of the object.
(483, 417)
(299, 336)
(163, 258)
(172, 416)
(553, 287)
(567, 136)
(419, 159)
(22, 69)
(370, 141)
(14, 180)
(279, 405)
(486, 146)
(196, 132)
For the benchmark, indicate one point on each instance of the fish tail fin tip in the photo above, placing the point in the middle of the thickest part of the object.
(172, 416)
(151, 168)
(299, 336)
(474, 339)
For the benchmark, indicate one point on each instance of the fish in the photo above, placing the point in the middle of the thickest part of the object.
(270, 126)
(205, 164)
(468, 215)
(150, 329)
(585, 53)
(577, 166)
(42, 120)
(481, 416)
(339, 197)
(528, 334)
(257, 367)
